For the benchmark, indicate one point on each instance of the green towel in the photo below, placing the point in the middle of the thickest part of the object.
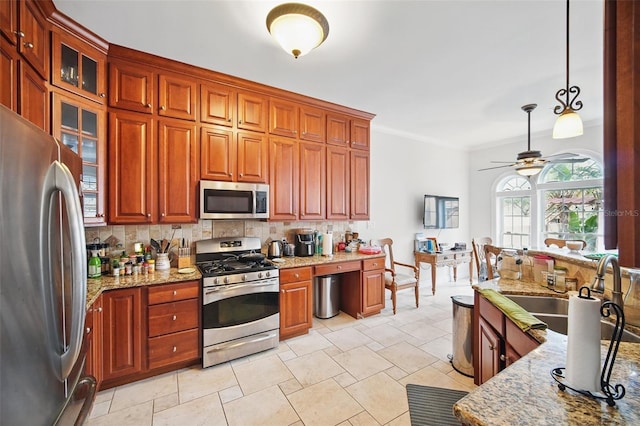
(515, 312)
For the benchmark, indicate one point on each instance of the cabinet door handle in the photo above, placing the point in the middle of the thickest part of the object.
(175, 348)
(175, 317)
(103, 95)
(491, 347)
(229, 120)
(339, 267)
(148, 214)
(148, 105)
(162, 214)
(88, 330)
(296, 275)
(100, 309)
(28, 45)
(175, 292)
(19, 33)
(504, 358)
(163, 107)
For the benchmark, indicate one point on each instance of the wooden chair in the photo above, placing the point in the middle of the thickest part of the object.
(478, 254)
(393, 279)
(491, 252)
(562, 243)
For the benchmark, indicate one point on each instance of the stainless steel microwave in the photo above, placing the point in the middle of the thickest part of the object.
(233, 200)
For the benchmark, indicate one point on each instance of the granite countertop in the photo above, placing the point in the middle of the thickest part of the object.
(317, 259)
(526, 394)
(95, 286)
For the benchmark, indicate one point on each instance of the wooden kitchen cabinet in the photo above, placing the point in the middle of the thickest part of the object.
(313, 127)
(132, 168)
(233, 156)
(372, 286)
(173, 314)
(283, 178)
(296, 309)
(312, 181)
(283, 118)
(348, 131)
(9, 20)
(178, 160)
(338, 190)
(33, 98)
(359, 180)
(131, 87)
(8, 72)
(253, 111)
(78, 67)
(81, 125)
(93, 340)
(359, 131)
(498, 342)
(218, 104)
(177, 96)
(33, 37)
(123, 322)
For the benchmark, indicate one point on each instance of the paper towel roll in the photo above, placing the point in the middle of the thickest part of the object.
(327, 244)
(584, 365)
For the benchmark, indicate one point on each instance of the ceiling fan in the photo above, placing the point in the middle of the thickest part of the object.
(531, 162)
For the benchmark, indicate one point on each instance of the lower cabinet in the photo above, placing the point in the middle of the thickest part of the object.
(296, 309)
(93, 340)
(372, 286)
(498, 342)
(147, 331)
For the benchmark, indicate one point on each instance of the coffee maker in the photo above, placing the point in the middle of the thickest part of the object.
(305, 243)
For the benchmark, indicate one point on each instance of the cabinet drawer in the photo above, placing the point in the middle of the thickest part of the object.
(293, 275)
(520, 341)
(173, 292)
(172, 348)
(443, 258)
(337, 268)
(492, 315)
(171, 317)
(371, 264)
(462, 257)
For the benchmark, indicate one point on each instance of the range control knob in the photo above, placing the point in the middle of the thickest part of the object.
(216, 281)
(226, 280)
(244, 277)
(268, 274)
(259, 274)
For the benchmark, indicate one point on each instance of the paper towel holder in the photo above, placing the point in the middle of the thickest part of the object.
(612, 393)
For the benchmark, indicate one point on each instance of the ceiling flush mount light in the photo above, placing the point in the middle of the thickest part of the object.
(298, 28)
(529, 163)
(569, 123)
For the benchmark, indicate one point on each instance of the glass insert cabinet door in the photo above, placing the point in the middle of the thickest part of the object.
(79, 125)
(78, 67)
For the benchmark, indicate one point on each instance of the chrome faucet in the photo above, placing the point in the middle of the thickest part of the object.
(598, 282)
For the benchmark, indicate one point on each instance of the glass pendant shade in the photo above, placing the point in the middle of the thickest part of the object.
(568, 125)
(529, 170)
(298, 28)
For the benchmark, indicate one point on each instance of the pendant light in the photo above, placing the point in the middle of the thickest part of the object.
(569, 123)
(529, 162)
(298, 28)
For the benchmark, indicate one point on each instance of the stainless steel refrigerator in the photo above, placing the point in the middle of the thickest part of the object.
(43, 289)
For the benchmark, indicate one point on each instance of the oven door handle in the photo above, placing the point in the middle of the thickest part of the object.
(221, 288)
(224, 347)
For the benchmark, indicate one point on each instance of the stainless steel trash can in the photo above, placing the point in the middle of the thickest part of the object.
(462, 357)
(326, 296)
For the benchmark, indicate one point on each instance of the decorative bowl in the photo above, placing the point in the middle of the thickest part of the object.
(574, 246)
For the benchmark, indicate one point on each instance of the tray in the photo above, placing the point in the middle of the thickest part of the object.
(370, 250)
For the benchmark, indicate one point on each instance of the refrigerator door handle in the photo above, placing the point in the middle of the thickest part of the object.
(59, 178)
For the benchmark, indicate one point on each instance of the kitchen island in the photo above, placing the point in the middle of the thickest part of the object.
(526, 394)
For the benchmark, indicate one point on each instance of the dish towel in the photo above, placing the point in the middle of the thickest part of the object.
(515, 312)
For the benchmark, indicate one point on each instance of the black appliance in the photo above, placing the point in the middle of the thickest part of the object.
(305, 243)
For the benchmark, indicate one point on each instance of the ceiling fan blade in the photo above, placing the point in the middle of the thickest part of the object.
(496, 167)
(505, 162)
(568, 160)
(563, 155)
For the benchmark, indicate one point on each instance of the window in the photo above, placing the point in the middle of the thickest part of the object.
(564, 201)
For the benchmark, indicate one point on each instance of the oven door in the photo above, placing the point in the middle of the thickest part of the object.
(238, 310)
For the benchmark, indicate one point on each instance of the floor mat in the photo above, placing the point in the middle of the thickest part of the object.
(432, 406)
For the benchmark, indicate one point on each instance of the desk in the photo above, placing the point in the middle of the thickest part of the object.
(445, 258)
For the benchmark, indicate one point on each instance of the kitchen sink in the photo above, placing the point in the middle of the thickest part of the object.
(554, 312)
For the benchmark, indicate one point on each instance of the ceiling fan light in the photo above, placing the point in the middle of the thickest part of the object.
(568, 125)
(529, 170)
(298, 28)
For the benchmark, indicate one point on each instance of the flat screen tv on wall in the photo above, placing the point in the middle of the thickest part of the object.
(441, 212)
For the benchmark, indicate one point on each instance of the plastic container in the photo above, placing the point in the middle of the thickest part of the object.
(162, 262)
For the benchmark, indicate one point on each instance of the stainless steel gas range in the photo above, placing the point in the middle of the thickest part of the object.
(240, 299)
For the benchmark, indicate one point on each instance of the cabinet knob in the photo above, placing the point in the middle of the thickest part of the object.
(28, 45)
(175, 318)
(162, 214)
(339, 267)
(175, 348)
(229, 120)
(148, 214)
(148, 105)
(100, 309)
(175, 292)
(491, 347)
(103, 95)
(296, 275)
(19, 33)
(163, 107)
(88, 330)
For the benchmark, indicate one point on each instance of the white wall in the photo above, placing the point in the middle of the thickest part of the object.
(402, 172)
(482, 183)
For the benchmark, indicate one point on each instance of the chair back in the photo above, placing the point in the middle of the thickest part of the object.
(561, 243)
(387, 246)
(491, 252)
(478, 252)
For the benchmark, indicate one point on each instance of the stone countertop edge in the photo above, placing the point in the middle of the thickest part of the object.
(95, 286)
(526, 394)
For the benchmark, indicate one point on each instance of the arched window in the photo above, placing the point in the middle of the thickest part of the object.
(563, 201)
(571, 200)
(514, 211)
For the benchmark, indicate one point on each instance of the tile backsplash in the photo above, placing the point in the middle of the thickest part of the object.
(205, 229)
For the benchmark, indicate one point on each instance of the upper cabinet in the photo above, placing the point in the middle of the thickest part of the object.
(283, 118)
(177, 96)
(252, 111)
(9, 20)
(218, 104)
(33, 37)
(312, 124)
(347, 131)
(78, 67)
(131, 87)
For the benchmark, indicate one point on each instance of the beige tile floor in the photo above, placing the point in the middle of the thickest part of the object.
(344, 372)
